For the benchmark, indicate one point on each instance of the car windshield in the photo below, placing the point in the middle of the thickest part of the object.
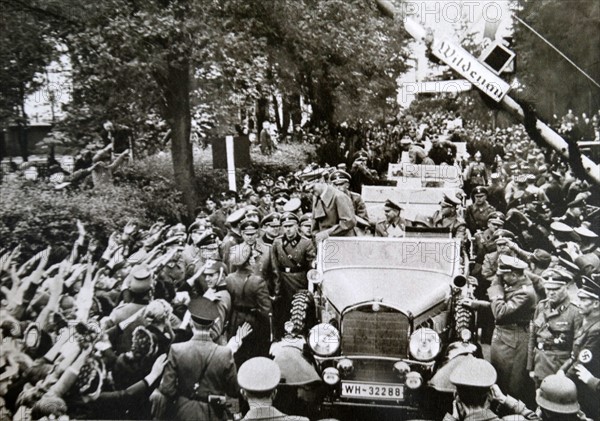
(426, 254)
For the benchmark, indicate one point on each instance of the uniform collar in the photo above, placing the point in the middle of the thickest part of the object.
(293, 242)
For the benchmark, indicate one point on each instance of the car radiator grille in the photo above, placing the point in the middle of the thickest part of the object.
(383, 333)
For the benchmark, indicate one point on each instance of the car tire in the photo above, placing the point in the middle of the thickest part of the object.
(303, 313)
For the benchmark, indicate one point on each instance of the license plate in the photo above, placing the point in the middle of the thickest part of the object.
(372, 391)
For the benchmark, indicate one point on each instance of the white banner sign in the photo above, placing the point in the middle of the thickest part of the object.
(439, 86)
(466, 65)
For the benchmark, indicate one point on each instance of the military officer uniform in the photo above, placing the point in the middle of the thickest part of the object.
(476, 216)
(196, 369)
(454, 223)
(483, 241)
(250, 303)
(586, 349)
(394, 228)
(233, 236)
(292, 258)
(259, 377)
(333, 212)
(341, 179)
(512, 303)
(552, 331)
(260, 257)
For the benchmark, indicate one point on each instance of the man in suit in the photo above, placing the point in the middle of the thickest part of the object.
(195, 370)
(393, 225)
(258, 379)
(333, 212)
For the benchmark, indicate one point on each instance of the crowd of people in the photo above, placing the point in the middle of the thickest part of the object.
(166, 321)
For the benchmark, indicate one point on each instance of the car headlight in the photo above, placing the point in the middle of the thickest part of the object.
(424, 344)
(314, 276)
(414, 380)
(331, 376)
(324, 339)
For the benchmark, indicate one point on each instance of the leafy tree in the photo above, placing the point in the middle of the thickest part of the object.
(550, 81)
(25, 50)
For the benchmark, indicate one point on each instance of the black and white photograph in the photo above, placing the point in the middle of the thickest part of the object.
(304, 210)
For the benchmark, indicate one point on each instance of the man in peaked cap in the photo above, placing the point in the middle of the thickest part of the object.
(195, 370)
(393, 225)
(233, 236)
(292, 257)
(476, 215)
(447, 217)
(259, 261)
(140, 287)
(589, 239)
(474, 379)
(483, 241)
(271, 227)
(228, 205)
(539, 261)
(333, 212)
(251, 303)
(512, 301)
(552, 332)
(258, 379)
(341, 180)
(306, 222)
(586, 347)
(575, 212)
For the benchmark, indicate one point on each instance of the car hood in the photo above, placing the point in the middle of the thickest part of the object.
(410, 291)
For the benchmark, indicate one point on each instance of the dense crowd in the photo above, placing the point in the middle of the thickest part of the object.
(164, 321)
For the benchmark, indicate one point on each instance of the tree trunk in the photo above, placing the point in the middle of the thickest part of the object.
(177, 95)
(262, 112)
(277, 119)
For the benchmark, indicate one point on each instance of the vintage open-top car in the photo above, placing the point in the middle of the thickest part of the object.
(386, 319)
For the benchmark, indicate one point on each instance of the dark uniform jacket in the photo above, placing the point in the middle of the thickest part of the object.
(476, 216)
(185, 364)
(586, 351)
(291, 259)
(513, 307)
(333, 211)
(456, 224)
(551, 337)
(230, 240)
(250, 299)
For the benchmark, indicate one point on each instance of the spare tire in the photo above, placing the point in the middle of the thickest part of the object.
(303, 315)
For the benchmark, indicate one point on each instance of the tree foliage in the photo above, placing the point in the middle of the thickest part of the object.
(550, 81)
(25, 50)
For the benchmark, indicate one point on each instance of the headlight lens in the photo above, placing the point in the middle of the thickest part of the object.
(424, 344)
(331, 376)
(324, 340)
(314, 276)
(414, 380)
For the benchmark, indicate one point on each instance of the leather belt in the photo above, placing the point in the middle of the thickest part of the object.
(291, 270)
(551, 347)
